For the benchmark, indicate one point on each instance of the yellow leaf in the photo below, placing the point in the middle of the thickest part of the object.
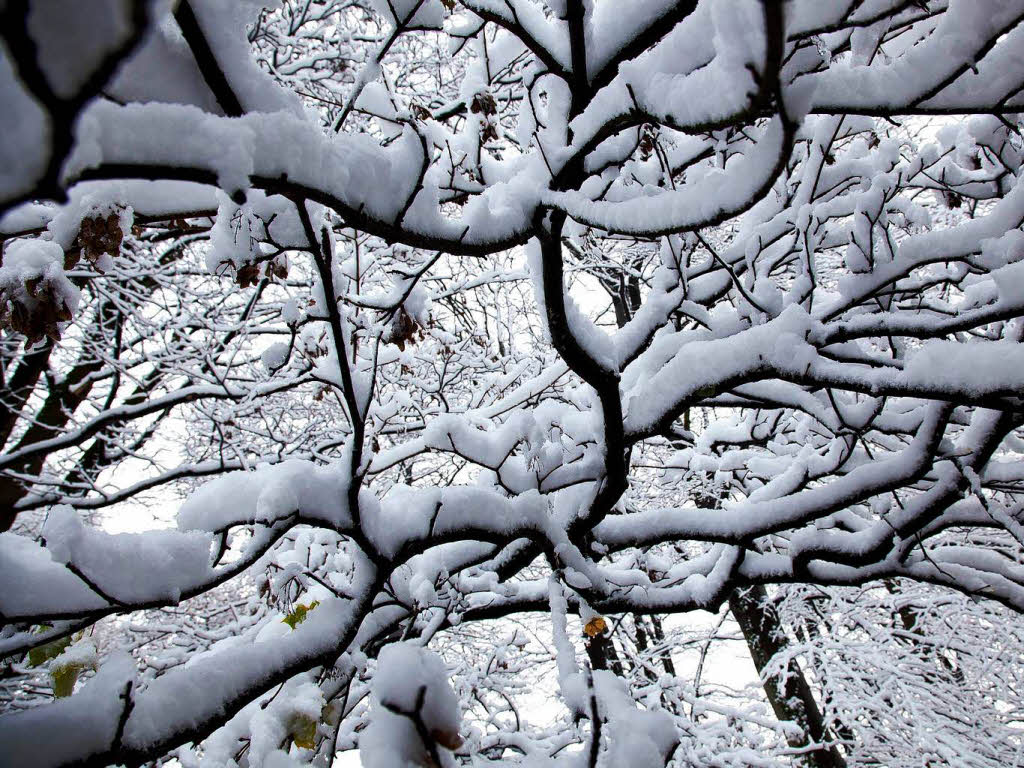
(331, 713)
(64, 678)
(596, 626)
(303, 732)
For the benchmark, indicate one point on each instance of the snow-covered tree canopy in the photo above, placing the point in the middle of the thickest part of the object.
(470, 309)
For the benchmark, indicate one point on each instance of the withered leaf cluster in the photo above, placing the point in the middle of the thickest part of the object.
(96, 236)
(251, 273)
(403, 330)
(483, 104)
(39, 310)
(40, 316)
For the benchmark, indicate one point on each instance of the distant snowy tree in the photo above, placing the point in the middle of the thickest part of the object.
(511, 328)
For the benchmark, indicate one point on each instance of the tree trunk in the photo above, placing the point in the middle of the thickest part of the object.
(794, 699)
(19, 387)
(758, 621)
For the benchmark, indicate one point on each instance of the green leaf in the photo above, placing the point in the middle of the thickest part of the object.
(705, 392)
(303, 731)
(43, 653)
(298, 615)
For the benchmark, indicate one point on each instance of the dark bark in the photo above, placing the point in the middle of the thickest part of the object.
(793, 699)
(206, 60)
(759, 622)
(602, 653)
(62, 400)
(61, 111)
(18, 388)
